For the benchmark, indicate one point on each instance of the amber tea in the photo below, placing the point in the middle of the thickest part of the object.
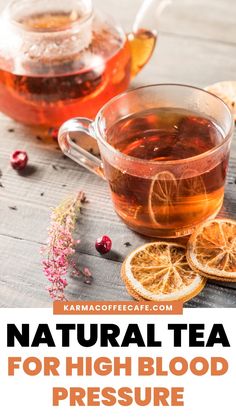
(163, 202)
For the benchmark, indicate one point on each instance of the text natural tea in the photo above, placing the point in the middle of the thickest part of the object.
(163, 203)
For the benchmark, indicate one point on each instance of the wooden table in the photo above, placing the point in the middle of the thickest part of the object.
(197, 45)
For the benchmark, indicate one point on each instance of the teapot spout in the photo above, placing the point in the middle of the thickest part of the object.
(142, 44)
(144, 33)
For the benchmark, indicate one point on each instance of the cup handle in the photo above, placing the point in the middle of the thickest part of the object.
(73, 150)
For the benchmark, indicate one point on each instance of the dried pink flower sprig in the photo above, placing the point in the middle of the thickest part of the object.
(60, 245)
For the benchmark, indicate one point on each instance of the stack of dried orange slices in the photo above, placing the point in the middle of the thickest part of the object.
(211, 250)
(165, 271)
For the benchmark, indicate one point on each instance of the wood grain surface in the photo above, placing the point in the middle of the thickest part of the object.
(196, 45)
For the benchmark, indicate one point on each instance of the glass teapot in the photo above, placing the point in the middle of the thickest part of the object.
(60, 59)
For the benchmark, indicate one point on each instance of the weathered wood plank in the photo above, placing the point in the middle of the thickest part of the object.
(22, 284)
(189, 61)
(211, 19)
(214, 296)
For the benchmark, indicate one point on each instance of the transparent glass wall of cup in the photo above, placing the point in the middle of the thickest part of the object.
(156, 198)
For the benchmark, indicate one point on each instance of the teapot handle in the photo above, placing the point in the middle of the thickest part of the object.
(74, 151)
(148, 14)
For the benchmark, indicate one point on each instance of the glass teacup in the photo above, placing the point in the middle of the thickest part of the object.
(164, 152)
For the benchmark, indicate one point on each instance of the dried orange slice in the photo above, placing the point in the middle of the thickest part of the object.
(160, 272)
(225, 90)
(161, 197)
(211, 250)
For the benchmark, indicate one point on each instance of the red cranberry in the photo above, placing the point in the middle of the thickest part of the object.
(19, 159)
(103, 244)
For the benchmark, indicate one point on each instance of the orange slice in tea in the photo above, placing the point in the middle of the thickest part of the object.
(225, 90)
(191, 184)
(211, 250)
(162, 193)
(191, 192)
(160, 272)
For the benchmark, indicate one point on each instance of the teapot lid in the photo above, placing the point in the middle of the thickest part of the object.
(43, 31)
(48, 15)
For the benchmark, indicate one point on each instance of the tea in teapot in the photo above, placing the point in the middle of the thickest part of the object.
(62, 59)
